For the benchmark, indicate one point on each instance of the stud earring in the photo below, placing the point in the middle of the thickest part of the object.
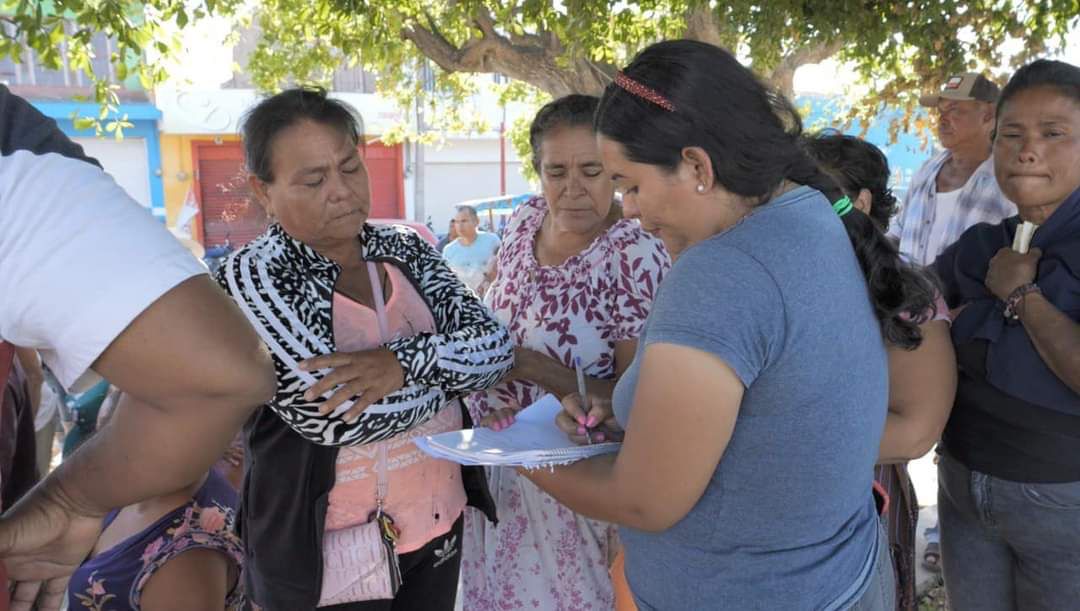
(701, 188)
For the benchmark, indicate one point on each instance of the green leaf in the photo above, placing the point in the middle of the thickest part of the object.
(899, 48)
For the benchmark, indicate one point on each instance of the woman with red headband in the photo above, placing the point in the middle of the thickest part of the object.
(754, 408)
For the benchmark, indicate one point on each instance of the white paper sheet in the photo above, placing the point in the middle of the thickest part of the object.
(533, 440)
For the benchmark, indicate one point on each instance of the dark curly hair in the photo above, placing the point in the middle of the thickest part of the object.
(753, 136)
(274, 114)
(855, 164)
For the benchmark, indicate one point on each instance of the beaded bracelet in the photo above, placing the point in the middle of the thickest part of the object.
(1016, 296)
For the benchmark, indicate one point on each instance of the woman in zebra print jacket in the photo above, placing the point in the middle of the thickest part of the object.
(373, 339)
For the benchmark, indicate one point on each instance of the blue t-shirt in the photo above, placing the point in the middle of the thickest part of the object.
(470, 262)
(788, 519)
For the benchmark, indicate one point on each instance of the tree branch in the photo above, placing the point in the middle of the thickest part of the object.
(469, 58)
(783, 76)
(486, 22)
(701, 25)
(434, 28)
(704, 24)
(531, 58)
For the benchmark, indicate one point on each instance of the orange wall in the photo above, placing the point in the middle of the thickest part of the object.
(176, 169)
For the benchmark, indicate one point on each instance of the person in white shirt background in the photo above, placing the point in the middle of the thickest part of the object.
(472, 254)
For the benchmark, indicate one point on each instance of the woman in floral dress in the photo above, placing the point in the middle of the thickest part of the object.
(575, 281)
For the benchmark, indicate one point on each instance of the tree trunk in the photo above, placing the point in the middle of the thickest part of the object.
(534, 58)
(783, 76)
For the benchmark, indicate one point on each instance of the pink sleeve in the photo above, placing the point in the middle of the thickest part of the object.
(941, 309)
(940, 312)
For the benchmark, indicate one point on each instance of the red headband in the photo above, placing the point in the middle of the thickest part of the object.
(643, 91)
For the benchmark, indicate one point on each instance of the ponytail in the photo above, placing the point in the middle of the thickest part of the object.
(900, 294)
(754, 147)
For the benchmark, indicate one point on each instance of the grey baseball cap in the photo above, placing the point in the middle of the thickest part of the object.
(970, 86)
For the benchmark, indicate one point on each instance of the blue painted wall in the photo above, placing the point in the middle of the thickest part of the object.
(905, 155)
(144, 118)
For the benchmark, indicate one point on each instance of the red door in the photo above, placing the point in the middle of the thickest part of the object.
(227, 208)
(387, 188)
(230, 212)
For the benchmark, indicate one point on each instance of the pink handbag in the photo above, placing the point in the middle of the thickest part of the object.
(360, 562)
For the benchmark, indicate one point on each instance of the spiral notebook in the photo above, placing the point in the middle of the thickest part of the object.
(533, 440)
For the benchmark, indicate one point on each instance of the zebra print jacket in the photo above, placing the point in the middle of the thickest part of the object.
(285, 289)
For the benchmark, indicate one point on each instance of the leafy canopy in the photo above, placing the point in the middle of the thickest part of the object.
(552, 48)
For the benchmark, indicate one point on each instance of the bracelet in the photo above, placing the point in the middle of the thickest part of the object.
(1015, 297)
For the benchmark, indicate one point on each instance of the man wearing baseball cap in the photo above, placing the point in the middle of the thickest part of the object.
(971, 86)
(955, 188)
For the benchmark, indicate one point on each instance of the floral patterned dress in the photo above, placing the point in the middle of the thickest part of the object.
(114, 579)
(542, 555)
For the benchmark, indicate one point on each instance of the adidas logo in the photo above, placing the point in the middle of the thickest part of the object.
(448, 551)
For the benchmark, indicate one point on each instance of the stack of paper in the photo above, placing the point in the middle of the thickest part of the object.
(533, 440)
(1022, 239)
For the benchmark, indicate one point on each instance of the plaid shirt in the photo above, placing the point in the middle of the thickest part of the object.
(980, 201)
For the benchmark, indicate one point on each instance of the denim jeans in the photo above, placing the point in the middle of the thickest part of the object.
(880, 595)
(1008, 545)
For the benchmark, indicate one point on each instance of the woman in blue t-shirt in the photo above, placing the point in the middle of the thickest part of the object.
(755, 406)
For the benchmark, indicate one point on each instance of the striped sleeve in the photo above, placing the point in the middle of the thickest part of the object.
(470, 350)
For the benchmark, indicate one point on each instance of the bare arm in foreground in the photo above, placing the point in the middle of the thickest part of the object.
(192, 371)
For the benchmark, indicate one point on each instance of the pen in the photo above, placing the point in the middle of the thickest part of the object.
(581, 393)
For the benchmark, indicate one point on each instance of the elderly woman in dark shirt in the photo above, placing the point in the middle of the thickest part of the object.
(1009, 499)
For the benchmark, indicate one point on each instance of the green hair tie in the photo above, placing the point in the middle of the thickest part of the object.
(842, 206)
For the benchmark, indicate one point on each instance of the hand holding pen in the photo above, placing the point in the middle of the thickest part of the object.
(583, 393)
(588, 418)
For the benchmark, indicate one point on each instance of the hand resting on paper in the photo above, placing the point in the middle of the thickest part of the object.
(599, 420)
(499, 419)
(572, 420)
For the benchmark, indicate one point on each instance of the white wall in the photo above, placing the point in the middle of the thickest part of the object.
(466, 169)
(220, 111)
(126, 160)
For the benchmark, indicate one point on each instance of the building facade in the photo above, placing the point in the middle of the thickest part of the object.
(203, 160)
(133, 160)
